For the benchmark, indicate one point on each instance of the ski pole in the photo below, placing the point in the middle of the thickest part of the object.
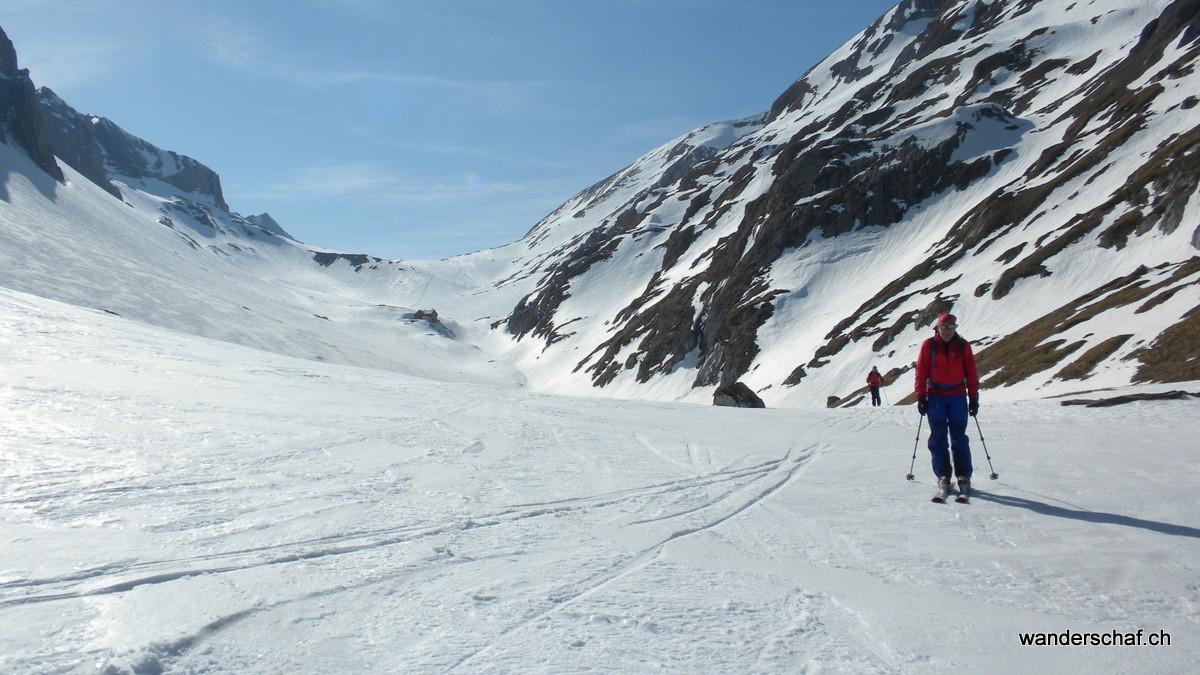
(994, 475)
(913, 465)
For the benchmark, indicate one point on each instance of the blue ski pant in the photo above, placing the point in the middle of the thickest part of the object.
(948, 433)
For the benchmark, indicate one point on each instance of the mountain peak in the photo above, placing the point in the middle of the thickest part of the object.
(20, 121)
(266, 222)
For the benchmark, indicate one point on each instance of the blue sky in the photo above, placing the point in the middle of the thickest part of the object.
(420, 129)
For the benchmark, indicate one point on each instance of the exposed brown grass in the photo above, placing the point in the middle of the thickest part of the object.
(1117, 235)
(797, 375)
(1084, 65)
(1034, 358)
(1185, 270)
(1083, 366)
(1031, 349)
(1175, 355)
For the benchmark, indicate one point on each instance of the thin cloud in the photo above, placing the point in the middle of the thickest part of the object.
(245, 50)
(508, 158)
(66, 58)
(657, 130)
(370, 183)
(333, 181)
(70, 64)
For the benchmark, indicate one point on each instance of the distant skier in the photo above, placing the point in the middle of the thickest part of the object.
(947, 387)
(874, 379)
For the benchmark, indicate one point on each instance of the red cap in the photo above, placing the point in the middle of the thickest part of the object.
(946, 319)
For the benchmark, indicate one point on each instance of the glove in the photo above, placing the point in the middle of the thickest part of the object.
(973, 407)
(922, 405)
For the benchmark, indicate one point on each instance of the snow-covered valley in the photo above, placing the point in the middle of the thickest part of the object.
(176, 504)
(226, 451)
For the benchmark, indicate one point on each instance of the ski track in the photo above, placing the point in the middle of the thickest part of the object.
(379, 537)
(779, 474)
(739, 490)
(539, 522)
(690, 465)
(346, 543)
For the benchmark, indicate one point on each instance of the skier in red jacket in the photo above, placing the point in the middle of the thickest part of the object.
(947, 388)
(874, 379)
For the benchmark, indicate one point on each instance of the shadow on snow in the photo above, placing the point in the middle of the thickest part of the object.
(1087, 516)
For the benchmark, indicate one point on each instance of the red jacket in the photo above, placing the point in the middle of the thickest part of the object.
(874, 378)
(946, 369)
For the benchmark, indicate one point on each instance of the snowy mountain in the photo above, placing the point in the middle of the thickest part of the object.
(1030, 166)
(113, 223)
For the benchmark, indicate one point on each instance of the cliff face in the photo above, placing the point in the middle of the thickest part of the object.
(102, 151)
(74, 140)
(46, 127)
(128, 156)
(20, 120)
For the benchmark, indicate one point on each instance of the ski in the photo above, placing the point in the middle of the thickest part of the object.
(942, 493)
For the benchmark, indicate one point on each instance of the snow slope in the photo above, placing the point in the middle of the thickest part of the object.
(170, 503)
(161, 259)
(1003, 159)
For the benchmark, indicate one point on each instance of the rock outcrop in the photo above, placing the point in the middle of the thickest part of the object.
(737, 395)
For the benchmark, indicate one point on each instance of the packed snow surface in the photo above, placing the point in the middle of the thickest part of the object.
(170, 503)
